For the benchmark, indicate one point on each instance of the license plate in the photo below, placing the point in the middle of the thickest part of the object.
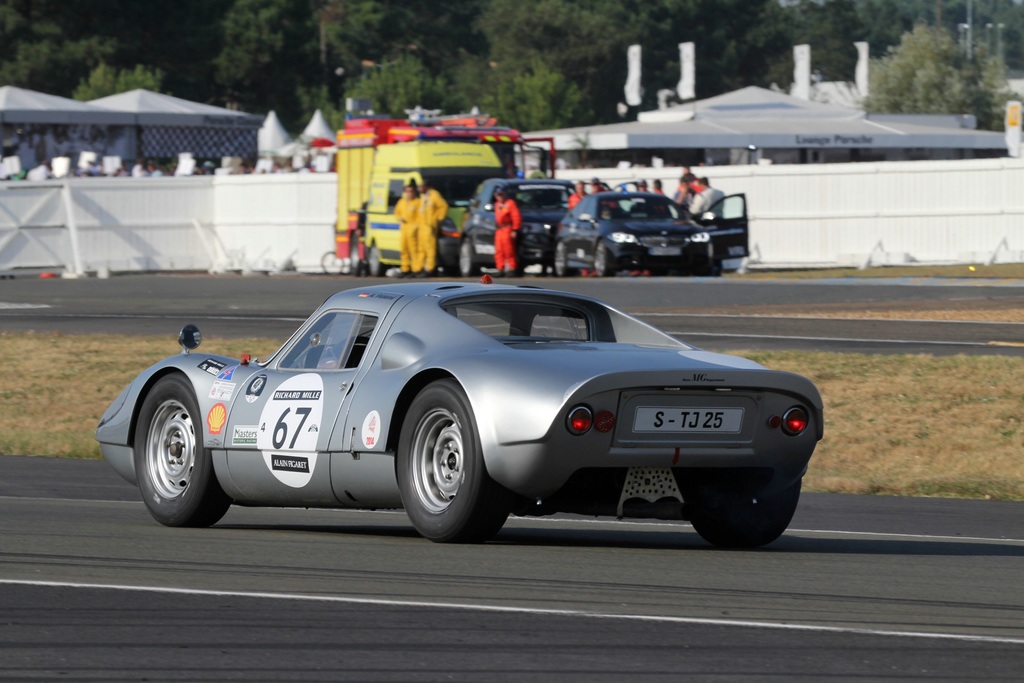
(485, 249)
(689, 419)
(665, 251)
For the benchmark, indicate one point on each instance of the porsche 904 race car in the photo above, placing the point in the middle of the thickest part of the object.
(464, 403)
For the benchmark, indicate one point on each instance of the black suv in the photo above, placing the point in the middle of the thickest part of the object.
(542, 203)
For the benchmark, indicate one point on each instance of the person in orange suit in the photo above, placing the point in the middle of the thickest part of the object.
(508, 222)
(577, 196)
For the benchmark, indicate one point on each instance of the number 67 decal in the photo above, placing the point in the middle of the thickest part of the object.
(281, 428)
(290, 421)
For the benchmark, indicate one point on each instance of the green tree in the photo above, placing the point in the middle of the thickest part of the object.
(929, 74)
(536, 98)
(106, 80)
(268, 52)
(404, 83)
(42, 49)
(440, 35)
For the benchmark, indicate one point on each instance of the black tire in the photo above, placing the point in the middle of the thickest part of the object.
(374, 268)
(445, 488)
(467, 268)
(743, 521)
(355, 263)
(561, 261)
(602, 267)
(173, 467)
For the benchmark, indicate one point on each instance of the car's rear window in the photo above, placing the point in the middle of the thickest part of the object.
(527, 321)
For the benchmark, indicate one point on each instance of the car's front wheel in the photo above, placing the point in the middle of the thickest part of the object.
(561, 262)
(173, 467)
(466, 266)
(445, 487)
(735, 520)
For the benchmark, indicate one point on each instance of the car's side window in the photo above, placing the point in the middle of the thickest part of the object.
(367, 324)
(395, 189)
(336, 340)
(730, 208)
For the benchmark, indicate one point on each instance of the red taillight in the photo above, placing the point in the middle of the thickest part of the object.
(794, 421)
(604, 422)
(580, 420)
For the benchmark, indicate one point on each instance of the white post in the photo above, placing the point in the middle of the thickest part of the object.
(216, 263)
(76, 254)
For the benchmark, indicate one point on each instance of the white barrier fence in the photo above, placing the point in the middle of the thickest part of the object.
(834, 214)
(98, 225)
(969, 211)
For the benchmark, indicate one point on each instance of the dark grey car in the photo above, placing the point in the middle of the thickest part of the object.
(541, 202)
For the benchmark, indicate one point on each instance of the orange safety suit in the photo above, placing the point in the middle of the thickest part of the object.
(508, 221)
(407, 212)
(432, 210)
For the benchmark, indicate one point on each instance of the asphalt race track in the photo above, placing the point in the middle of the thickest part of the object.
(273, 306)
(91, 588)
(877, 588)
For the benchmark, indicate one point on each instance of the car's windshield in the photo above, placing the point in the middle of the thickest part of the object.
(542, 197)
(631, 207)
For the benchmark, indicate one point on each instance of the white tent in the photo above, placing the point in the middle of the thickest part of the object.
(317, 128)
(273, 138)
(18, 105)
(157, 109)
(168, 126)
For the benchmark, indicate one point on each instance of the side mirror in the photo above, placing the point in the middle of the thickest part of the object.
(190, 338)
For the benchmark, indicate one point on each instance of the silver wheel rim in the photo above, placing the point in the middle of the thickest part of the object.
(170, 450)
(437, 459)
(560, 265)
(374, 259)
(465, 260)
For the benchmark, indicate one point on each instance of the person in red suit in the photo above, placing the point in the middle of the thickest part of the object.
(508, 221)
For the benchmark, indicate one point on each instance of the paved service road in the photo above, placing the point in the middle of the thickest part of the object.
(91, 588)
(273, 307)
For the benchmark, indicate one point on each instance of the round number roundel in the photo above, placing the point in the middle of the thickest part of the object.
(289, 428)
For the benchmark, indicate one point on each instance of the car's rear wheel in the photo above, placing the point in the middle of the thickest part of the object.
(173, 467)
(735, 520)
(602, 260)
(446, 490)
(466, 266)
(561, 262)
(373, 264)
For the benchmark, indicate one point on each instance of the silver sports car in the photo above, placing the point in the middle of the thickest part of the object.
(464, 403)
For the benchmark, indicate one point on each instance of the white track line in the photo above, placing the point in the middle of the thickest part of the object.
(529, 610)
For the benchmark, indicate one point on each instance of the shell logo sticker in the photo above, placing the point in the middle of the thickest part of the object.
(216, 418)
(371, 429)
(289, 429)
